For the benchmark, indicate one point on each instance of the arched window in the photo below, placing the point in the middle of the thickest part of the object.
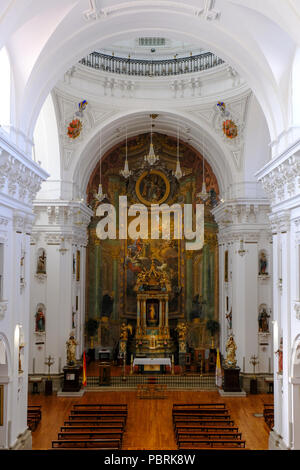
(5, 89)
(296, 89)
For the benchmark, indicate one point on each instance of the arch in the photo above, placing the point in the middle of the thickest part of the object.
(295, 92)
(5, 90)
(6, 350)
(295, 359)
(219, 157)
(259, 67)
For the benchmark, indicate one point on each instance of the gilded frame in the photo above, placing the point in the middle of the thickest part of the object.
(139, 181)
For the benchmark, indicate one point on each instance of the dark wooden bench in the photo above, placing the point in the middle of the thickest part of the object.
(87, 443)
(203, 422)
(198, 435)
(211, 429)
(100, 434)
(186, 406)
(198, 411)
(78, 427)
(100, 406)
(103, 412)
(207, 444)
(34, 416)
(97, 419)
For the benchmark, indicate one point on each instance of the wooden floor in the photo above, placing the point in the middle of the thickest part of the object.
(149, 422)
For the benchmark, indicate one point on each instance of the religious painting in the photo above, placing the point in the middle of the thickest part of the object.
(226, 266)
(1, 404)
(40, 319)
(167, 257)
(152, 313)
(152, 187)
(41, 261)
(263, 263)
(77, 265)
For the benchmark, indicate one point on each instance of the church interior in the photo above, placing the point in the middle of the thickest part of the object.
(150, 225)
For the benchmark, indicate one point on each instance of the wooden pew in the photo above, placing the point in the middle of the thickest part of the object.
(203, 422)
(213, 436)
(100, 406)
(97, 419)
(187, 406)
(34, 416)
(191, 429)
(207, 444)
(103, 412)
(199, 411)
(100, 434)
(114, 444)
(93, 427)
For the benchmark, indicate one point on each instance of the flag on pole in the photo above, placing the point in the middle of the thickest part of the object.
(84, 370)
(218, 371)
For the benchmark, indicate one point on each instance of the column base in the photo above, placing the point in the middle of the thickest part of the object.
(23, 442)
(276, 442)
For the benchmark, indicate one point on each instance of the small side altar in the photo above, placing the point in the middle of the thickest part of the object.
(152, 337)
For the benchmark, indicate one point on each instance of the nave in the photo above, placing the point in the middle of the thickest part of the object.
(149, 422)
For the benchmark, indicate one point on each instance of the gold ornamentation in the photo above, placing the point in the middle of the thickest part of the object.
(230, 360)
(152, 187)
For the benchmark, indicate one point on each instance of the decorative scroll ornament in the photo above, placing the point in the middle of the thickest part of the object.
(74, 129)
(230, 129)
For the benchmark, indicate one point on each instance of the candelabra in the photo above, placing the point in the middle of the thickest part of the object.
(254, 361)
(49, 362)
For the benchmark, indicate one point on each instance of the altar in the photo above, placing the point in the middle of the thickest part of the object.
(152, 338)
(156, 364)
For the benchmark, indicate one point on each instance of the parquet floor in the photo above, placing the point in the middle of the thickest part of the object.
(149, 422)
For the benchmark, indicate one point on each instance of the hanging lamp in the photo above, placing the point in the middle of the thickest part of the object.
(126, 172)
(151, 158)
(204, 195)
(178, 172)
(100, 196)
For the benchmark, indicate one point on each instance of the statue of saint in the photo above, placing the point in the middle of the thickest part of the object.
(40, 320)
(41, 263)
(230, 360)
(124, 331)
(182, 331)
(229, 319)
(71, 350)
(263, 322)
(263, 264)
(280, 356)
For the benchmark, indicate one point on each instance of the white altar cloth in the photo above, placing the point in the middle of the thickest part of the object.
(143, 361)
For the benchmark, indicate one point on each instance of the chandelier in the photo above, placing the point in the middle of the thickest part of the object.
(178, 172)
(99, 195)
(204, 195)
(151, 158)
(126, 172)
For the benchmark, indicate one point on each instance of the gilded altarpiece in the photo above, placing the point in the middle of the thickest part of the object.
(113, 266)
